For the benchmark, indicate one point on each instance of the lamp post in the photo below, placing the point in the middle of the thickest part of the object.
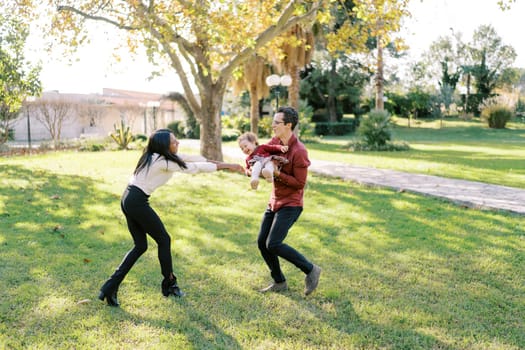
(29, 100)
(278, 81)
(154, 105)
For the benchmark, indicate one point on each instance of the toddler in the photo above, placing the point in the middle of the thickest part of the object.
(260, 158)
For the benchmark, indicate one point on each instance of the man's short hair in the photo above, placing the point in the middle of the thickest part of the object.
(290, 115)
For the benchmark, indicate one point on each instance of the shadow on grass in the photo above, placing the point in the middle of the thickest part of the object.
(59, 234)
(399, 270)
(426, 258)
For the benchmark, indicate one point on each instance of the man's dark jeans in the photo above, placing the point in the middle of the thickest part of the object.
(273, 231)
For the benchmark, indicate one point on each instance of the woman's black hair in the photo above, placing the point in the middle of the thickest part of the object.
(159, 142)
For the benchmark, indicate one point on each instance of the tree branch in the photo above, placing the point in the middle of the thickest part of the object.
(95, 18)
(183, 46)
(284, 22)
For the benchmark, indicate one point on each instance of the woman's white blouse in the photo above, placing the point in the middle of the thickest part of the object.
(161, 170)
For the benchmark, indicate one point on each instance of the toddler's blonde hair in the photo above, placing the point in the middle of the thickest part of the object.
(248, 136)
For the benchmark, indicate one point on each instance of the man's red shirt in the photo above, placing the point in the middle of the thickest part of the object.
(288, 187)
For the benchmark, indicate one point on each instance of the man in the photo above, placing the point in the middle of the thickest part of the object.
(285, 206)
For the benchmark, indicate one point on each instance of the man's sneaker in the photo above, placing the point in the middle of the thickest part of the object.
(254, 183)
(312, 280)
(275, 287)
(267, 174)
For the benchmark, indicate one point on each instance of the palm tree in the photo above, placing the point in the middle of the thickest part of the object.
(254, 72)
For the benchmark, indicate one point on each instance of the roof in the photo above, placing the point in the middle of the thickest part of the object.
(115, 97)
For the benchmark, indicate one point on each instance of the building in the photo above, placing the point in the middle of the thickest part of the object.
(94, 115)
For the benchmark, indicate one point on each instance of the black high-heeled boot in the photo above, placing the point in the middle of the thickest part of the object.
(169, 287)
(111, 298)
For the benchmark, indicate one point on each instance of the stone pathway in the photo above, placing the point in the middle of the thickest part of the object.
(469, 193)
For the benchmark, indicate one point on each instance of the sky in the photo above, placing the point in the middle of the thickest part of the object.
(433, 18)
(95, 67)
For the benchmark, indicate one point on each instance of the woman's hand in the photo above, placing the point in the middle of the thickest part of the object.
(237, 168)
(230, 166)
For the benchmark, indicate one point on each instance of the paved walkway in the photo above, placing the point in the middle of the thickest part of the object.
(469, 193)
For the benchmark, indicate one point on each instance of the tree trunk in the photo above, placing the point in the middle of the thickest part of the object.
(210, 123)
(332, 109)
(468, 93)
(293, 89)
(331, 99)
(254, 110)
(380, 105)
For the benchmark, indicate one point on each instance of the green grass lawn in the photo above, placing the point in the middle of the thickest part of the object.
(460, 149)
(400, 271)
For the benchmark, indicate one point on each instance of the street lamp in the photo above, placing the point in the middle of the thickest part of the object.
(278, 81)
(154, 105)
(29, 100)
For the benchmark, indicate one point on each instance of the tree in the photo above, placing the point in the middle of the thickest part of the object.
(446, 60)
(491, 57)
(334, 85)
(289, 53)
(254, 72)
(94, 111)
(506, 4)
(381, 18)
(335, 40)
(204, 40)
(511, 79)
(295, 52)
(53, 113)
(18, 79)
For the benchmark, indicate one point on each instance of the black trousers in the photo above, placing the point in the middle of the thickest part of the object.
(274, 229)
(142, 220)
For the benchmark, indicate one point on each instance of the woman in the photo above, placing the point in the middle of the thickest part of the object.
(154, 168)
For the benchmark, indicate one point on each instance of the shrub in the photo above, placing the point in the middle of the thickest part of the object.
(230, 134)
(92, 147)
(236, 122)
(7, 135)
(178, 128)
(520, 106)
(389, 146)
(375, 128)
(140, 137)
(122, 135)
(305, 127)
(191, 127)
(338, 128)
(265, 127)
(496, 116)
